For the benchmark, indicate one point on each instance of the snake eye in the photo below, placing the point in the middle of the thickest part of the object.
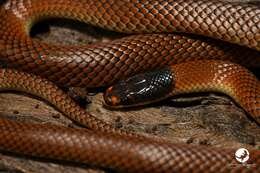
(140, 89)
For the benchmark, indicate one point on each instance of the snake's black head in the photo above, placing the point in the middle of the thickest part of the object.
(140, 89)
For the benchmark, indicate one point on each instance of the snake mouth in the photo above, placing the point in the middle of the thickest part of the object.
(140, 89)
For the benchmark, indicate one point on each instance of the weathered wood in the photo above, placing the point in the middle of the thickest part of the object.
(207, 119)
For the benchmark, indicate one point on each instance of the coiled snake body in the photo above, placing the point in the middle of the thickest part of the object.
(103, 64)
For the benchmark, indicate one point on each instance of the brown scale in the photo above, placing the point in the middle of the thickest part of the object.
(218, 76)
(103, 64)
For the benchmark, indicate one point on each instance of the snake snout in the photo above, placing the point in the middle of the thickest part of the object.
(111, 98)
(140, 89)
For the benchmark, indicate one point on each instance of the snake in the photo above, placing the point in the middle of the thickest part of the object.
(172, 46)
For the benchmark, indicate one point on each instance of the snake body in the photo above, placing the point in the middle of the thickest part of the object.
(102, 64)
(200, 75)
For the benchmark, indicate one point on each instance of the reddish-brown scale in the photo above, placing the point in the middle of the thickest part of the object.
(219, 76)
(102, 64)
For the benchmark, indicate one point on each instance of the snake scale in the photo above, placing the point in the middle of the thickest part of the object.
(213, 65)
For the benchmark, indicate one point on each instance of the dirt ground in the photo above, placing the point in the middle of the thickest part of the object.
(204, 119)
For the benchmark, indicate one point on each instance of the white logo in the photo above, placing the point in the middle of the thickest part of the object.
(242, 155)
